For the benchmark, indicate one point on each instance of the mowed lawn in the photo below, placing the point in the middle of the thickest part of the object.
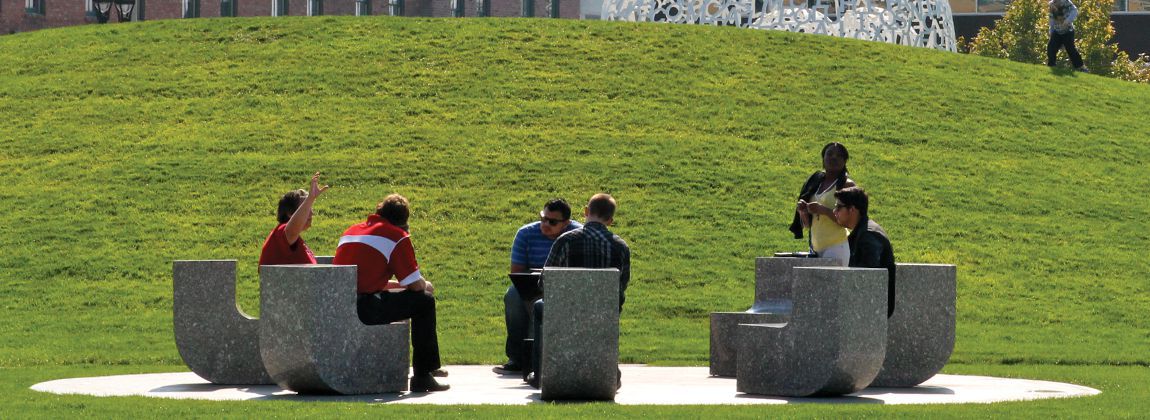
(125, 147)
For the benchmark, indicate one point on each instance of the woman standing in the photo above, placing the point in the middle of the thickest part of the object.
(816, 206)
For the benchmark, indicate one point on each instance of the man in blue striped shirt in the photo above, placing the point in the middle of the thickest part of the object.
(529, 251)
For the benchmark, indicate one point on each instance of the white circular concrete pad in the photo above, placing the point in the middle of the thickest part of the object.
(641, 385)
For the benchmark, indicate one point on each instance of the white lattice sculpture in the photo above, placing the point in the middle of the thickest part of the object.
(917, 23)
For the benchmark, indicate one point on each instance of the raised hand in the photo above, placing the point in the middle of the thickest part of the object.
(315, 189)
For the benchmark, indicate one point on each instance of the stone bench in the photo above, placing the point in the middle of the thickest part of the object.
(834, 342)
(312, 341)
(772, 303)
(920, 335)
(217, 340)
(580, 357)
(920, 332)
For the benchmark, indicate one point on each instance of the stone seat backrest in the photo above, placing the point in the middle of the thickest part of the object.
(580, 357)
(774, 279)
(312, 340)
(217, 340)
(920, 332)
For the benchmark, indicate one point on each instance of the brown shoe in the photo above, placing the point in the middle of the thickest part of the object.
(439, 373)
(427, 383)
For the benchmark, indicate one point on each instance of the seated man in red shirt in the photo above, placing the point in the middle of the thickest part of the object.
(381, 247)
(284, 245)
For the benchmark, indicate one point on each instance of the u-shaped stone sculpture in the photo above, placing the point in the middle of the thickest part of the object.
(833, 344)
(920, 332)
(312, 340)
(215, 338)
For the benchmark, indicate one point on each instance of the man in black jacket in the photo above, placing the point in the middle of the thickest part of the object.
(870, 247)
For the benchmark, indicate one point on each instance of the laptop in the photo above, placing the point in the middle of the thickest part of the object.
(529, 285)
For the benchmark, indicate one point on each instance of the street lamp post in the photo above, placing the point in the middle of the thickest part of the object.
(124, 9)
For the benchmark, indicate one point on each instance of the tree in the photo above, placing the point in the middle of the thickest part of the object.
(1022, 33)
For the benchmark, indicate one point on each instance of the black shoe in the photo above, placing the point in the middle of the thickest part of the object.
(509, 368)
(533, 380)
(439, 373)
(427, 383)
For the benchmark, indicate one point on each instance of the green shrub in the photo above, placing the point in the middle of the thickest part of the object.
(1022, 33)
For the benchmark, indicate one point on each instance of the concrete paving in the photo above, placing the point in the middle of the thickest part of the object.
(641, 385)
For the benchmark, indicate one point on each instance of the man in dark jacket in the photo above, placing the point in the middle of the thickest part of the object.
(870, 247)
(591, 246)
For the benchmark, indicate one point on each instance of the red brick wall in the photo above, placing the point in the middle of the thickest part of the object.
(209, 8)
(500, 8)
(254, 7)
(71, 12)
(172, 9)
(13, 17)
(339, 7)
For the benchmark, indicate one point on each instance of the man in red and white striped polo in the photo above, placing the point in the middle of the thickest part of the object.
(381, 248)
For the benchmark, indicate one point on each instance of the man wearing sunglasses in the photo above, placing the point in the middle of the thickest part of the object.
(529, 251)
(592, 246)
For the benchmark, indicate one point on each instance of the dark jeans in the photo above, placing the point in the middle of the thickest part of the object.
(515, 316)
(537, 349)
(1059, 41)
(384, 308)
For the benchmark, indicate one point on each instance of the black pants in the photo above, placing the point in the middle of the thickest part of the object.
(537, 345)
(1059, 41)
(386, 308)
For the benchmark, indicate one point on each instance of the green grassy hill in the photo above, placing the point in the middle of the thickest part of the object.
(125, 147)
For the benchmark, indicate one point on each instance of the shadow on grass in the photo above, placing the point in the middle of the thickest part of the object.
(1064, 71)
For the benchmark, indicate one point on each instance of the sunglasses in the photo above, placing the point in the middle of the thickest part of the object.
(550, 221)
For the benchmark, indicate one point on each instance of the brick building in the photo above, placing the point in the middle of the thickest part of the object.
(28, 15)
(1131, 18)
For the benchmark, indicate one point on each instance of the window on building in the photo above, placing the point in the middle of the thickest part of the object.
(1138, 6)
(191, 8)
(363, 7)
(314, 7)
(962, 6)
(228, 8)
(992, 6)
(395, 7)
(279, 7)
(35, 7)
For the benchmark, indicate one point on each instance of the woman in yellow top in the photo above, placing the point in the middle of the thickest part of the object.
(816, 206)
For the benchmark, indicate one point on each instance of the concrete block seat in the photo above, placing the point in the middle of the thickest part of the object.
(580, 359)
(217, 340)
(834, 342)
(920, 332)
(773, 279)
(312, 341)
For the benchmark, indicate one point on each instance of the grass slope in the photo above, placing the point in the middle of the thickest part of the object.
(125, 147)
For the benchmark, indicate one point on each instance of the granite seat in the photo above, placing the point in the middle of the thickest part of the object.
(920, 332)
(312, 341)
(217, 340)
(580, 359)
(772, 304)
(834, 342)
